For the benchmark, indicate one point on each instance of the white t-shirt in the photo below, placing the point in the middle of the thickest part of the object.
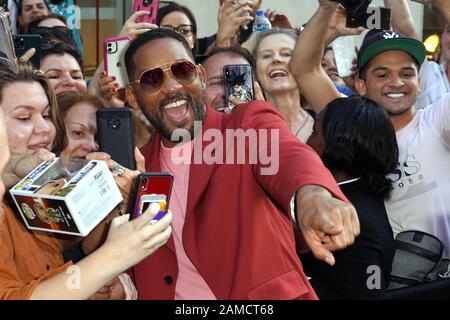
(433, 83)
(421, 196)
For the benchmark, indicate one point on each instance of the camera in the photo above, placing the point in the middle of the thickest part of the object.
(361, 14)
(143, 186)
(19, 43)
(147, 3)
(114, 123)
(112, 47)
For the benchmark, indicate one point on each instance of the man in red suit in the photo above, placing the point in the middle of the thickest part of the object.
(233, 233)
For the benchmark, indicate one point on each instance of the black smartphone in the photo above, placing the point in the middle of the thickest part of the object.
(238, 81)
(151, 188)
(115, 135)
(24, 42)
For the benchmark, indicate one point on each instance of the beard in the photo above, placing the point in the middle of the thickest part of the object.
(197, 103)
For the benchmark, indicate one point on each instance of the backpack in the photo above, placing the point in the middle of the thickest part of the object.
(417, 260)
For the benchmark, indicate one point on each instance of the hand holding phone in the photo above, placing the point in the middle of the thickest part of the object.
(238, 81)
(25, 42)
(151, 6)
(151, 188)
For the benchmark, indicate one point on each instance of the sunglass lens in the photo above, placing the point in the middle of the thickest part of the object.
(151, 80)
(184, 72)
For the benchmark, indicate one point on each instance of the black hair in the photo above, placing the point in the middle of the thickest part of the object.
(147, 37)
(360, 142)
(244, 53)
(20, 7)
(171, 6)
(61, 49)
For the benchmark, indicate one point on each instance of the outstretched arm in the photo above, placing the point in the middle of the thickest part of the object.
(306, 61)
(402, 20)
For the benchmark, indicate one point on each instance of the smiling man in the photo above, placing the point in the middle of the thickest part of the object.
(233, 230)
(388, 74)
(215, 80)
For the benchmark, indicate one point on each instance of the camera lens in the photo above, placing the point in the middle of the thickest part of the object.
(143, 186)
(20, 42)
(109, 45)
(146, 3)
(114, 123)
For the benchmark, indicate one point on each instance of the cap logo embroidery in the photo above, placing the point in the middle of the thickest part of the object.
(391, 35)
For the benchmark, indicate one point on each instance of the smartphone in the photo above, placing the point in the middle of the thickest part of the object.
(151, 188)
(147, 5)
(116, 135)
(7, 53)
(344, 54)
(114, 58)
(238, 81)
(24, 42)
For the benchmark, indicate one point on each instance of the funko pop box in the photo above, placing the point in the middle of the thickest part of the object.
(69, 196)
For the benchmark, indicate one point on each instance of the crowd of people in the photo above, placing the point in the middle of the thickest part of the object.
(358, 159)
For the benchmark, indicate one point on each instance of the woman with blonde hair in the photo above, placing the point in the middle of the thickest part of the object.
(272, 50)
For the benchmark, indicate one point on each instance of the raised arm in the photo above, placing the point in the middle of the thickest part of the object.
(443, 7)
(402, 20)
(306, 61)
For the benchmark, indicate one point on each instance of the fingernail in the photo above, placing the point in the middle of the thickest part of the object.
(329, 260)
(113, 78)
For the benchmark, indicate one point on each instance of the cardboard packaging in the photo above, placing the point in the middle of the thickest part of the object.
(68, 196)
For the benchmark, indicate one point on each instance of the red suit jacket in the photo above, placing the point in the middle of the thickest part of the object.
(238, 231)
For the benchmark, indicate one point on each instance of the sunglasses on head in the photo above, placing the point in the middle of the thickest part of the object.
(185, 72)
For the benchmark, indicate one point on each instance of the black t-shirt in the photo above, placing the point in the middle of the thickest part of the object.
(362, 271)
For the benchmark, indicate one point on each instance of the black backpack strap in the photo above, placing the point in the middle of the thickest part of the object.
(417, 250)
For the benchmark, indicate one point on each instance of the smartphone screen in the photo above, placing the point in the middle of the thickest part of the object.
(151, 188)
(238, 81)
(147, 200)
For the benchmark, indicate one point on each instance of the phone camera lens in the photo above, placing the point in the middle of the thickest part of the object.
(19, 43)
(114, 123)
(146, 3)
(144, 184)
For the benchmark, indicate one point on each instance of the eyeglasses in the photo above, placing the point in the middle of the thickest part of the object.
(185, 30)
(185, 72)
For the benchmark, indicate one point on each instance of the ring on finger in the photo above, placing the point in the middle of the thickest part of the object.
(118, 170)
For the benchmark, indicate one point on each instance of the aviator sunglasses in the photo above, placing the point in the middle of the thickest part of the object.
(185, 72)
